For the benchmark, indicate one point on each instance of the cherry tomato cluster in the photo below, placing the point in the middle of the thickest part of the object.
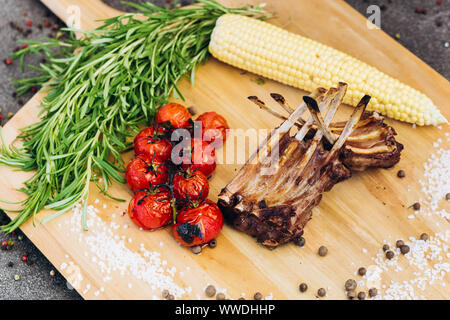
(169, 191)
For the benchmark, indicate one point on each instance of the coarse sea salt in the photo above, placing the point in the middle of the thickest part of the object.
(436, 183)
(111, 255)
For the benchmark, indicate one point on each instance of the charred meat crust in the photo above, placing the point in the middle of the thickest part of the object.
(279, 216)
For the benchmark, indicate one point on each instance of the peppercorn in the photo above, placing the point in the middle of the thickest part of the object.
(350, 284)
(299, 241)
(10, 264)
(323, 251)
(351, 294)
(213, 243)
(447, 197)
(34, 89)
(303, 287)
(52, 273)
(373, 292)
(165, 294)
(399, 243)
(220, 296)
(24, 258)
(424, 236)
(389, 254)
(401, 174)
(257, 296)
(404, 249)
(20, 237)
(29, 23)
(361, 295)
(416, 206)
(385, 247)
(8, 61)
(439, 2)
(171, 297)
(47, 24)
(210, 291)
(321, 292)
(196, 249)
(241, 298)
(16, 277)
(362, 271)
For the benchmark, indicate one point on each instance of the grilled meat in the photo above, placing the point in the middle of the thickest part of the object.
(272, 196)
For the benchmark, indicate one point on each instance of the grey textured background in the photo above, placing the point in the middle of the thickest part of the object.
(426, 35)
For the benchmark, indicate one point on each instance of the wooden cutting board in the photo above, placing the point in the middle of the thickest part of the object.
(351, 221)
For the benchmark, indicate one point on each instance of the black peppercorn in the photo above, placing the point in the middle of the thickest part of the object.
(389, 254)
(303, 287)
(321, 292)
(361, 295)
(424, 237)
(373, 292)
(404, 249)
(399, 243)
(362, 271)
(416, 206)
(385, 247)
(212, 243)
(300, 241)
(401, 174)
(323, 251)
(350, 284)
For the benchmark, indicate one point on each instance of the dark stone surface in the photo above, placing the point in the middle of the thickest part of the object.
(424, 34)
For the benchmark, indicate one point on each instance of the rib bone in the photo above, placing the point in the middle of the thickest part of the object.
(275, 208)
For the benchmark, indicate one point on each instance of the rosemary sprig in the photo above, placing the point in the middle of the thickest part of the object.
(101, 87)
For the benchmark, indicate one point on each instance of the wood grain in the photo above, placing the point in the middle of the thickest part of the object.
(358, 213)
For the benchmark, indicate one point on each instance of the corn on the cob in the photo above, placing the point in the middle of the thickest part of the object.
(277, 54)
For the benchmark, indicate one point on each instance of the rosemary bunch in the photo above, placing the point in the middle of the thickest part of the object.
(101, 87)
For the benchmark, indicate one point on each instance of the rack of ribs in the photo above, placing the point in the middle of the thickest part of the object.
(272, 196)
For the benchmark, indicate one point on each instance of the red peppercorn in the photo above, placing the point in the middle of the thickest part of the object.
(29, 23)
(34, 89)
(439, 2)
(24, 46)
(8, 61)
(4, 243)
(24, 258)
(47, 24)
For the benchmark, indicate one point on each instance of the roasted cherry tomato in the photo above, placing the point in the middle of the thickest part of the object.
(214, 126)
(151, 142)
(192, 186)
(202, 158)
(151, 210)
(144, 172)
(199, 224)
(175, 113)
